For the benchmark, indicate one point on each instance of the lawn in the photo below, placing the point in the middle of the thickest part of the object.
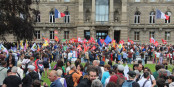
(151, 66)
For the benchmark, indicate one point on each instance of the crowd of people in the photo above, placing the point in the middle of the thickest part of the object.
(87, 65)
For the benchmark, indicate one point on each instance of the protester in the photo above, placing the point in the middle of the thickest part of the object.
(53, 76)
(144, 82)
(3, 72)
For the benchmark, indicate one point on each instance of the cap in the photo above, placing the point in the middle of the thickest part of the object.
(131, 73)
(120, 67)
(31, 67)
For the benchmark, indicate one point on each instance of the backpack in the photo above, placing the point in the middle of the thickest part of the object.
(40, 66)
(69, 80)
(127, 84)
(120, 80)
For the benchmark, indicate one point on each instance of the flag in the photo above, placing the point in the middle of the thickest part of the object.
(84, 41)
(99, 42)
(113, 43)
(108, 39)
(85, 48)
(164, 41)
(56, 38)
(34, 47)
(38, 47)
(45, 43)
(152, 40)
(21, 45)
(120, 46)
(3, 48)
(79, 40)
(161, 15)
(121, 42)
(156, 43)
(91, 40)
(93, 48)
(79, 48)
(63, 40)
(58, 14)
(26, 45)
(102, 41)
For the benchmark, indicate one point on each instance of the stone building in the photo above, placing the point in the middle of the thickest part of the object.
(120, 19)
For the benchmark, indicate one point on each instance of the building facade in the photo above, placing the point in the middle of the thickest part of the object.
(120, 19)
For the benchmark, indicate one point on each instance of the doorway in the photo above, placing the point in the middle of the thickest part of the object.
(101, 34)
(117, 36)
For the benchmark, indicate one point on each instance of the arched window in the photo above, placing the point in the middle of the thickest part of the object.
(102, 10)
(52, 18)
(137, 17)
(152, 17)
(168, 13)
(67, 17)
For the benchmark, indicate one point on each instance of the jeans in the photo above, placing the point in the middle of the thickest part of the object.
(129, 60)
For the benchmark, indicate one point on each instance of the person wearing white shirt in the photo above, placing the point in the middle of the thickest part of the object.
(19, 70)
(145, 82)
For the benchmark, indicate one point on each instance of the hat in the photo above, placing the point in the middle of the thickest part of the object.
(31, 67)
(131, 73)
(120, 68)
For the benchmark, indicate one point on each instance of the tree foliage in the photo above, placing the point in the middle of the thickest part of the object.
(15, 18)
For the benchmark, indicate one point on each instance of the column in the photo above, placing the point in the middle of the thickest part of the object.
(124, 12)
(111, 11)
(111, 32)
(93, 11)
(92, 32)
(80, 11)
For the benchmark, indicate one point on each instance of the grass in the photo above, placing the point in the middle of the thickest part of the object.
(150, 66)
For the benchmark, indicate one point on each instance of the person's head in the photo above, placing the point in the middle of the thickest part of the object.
(4, 63)
(146, 75)
(170, 79)
(140, 67)
(68, 63)
(96, 83)
(146, 69)
(112, 72)
(107, 67)
(36, 83)
(73, 67)
(80, 67)
(131, 75)
(9, 72)
(92, 74)
(120, 68)
(139, 61)
(53, 76)
(96, 62)
(14, 69)
(157, 67)
(31, 68)
(19, 64)
(135, 66)
(111, 84)
(110, 63)
(160, 82)
(115, 68)
(59, 72)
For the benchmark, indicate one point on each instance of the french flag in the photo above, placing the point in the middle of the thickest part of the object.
(161, 15)
(58, 14)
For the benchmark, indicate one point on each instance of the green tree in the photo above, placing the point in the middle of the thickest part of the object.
(15, 18)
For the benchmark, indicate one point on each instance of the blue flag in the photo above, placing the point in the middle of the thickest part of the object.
(108, 39)
(99, 42)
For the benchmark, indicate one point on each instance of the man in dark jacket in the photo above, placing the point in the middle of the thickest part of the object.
(30, 77)
(86, 82)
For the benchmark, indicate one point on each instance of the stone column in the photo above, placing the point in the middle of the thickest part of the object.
(92, 33)
(93, 12)
(124, 12)
(111, 32)
(111, 11)
(80, 11)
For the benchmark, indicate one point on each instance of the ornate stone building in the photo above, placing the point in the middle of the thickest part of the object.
(119, 19)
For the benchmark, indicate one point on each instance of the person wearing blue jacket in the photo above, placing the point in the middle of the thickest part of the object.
(105, 74)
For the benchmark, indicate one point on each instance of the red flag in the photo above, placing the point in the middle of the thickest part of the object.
(156, 43)
(167, 17)
(56, 38)
(91, 40)
(102, 41)
(121, 42)
(164, 41)
(93, 48)
(79, 40)
(152, 40)
(128, 39)
(84, 41)
(79, 48)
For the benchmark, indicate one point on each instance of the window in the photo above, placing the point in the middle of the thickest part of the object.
(168, 0)
(67, 17)
(51, 34)
(37, 34)
(66, 34)
(102, 10)
(66, 0)
(137, 0)
(52, 19)
(152, 17)
(152, 0)
(151, 34)
(37, 18)
(87, 34)
(168, 14)
(101, 34)
(167, 35)
(137, 17)
(136, 35)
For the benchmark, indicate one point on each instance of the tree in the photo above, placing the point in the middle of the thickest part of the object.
(15, 18)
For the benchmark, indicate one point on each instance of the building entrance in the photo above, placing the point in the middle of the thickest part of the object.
(117, 36)
(101, 34)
